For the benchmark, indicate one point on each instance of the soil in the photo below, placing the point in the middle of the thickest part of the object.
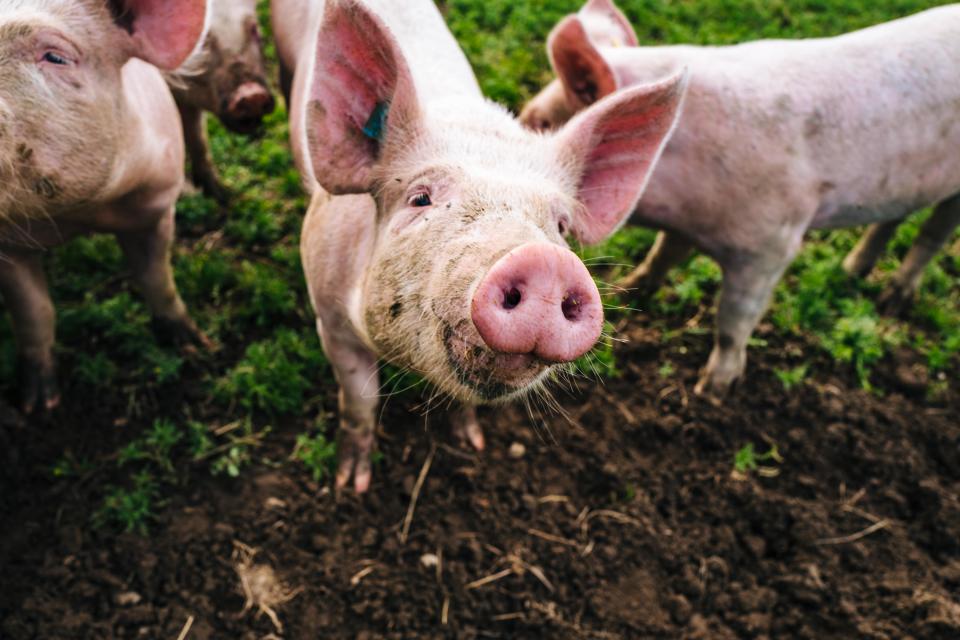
(623, 518)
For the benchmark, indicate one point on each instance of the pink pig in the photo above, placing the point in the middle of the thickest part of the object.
(778, 137)
(89, 141)
(227, 78)
(449, 258)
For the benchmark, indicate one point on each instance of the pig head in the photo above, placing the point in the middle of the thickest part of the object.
(228, 76)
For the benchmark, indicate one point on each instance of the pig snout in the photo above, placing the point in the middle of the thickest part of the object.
(247, 106)
(538, 299)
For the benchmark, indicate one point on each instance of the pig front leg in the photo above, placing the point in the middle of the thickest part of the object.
(148, 254)
(668, 251)
(861, 260)
(203, 173)
(357, 373)
(934, 233)
(25, 292)
(748, 285)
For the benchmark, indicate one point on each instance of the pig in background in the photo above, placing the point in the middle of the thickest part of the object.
(89, 142)
(445, 251)
(227, 77)
(778, 137)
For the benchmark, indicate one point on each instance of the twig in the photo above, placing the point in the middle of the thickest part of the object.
(360, 575)
(853, 537)
(408, 519)
(445, 611)
(476, 584)
(186, 629)
(503, 617)
(552, 538)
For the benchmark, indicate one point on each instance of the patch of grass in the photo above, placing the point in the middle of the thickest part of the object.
(274, 374)
(318, 455)
(130, 508)
(794, 377)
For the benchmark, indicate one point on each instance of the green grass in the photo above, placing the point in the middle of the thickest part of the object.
(238, 270)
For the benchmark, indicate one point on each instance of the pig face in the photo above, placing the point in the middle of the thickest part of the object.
(470, 282)
(572, 47)
(229, 77)
(61, 91)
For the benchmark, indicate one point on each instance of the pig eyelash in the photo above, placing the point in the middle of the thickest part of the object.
(420, 200)
(55, 58)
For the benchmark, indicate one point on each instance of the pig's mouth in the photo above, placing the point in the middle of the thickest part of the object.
(492, 376)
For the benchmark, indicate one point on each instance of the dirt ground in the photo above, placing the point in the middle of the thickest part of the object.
(621, 520)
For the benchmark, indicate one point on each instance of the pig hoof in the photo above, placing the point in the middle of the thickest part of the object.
(894, 301)
(39, 392)
(182, 333)
(214, 189)
(355, 449)
(713, 390)
(469, 433)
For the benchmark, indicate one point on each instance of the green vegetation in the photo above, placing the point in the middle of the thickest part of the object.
(747, 460)
(238, 270)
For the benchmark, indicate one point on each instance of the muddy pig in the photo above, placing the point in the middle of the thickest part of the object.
(778, 137)
(227, 78)
(445, 249)
(89, 142)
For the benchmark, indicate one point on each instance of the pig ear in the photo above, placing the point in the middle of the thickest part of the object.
(585, 75)
(612, 148)
(162, 32)
(361, 93)
(616, 30)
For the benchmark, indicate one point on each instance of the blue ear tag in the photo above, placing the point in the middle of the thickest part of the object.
(377, 122)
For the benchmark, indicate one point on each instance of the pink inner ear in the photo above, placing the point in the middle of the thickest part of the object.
(166, 31)
(586, 76)
(620, 139)
(358, 69)
(608, 10)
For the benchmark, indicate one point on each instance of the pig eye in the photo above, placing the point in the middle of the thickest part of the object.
(421, 200)
(55, 58)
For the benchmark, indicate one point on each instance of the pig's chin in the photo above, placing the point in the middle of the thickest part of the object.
(488, 375)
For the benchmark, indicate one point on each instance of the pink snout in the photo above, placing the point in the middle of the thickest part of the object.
(539, 299)
(249, 103)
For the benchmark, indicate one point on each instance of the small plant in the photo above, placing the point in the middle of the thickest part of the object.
(231, 462)
(791, 378)
(130, 509)
(667, 369)
(317, 453)
(747, 460)
(161, 439)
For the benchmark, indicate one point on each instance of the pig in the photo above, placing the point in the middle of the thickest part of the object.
(227, 78)
(778, 137)
(435, 237)
(89, 142)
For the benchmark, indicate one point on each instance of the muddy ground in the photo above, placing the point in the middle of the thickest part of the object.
(624, 519)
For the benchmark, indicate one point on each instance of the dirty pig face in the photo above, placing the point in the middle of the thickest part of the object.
(441, 230)
(53, 111)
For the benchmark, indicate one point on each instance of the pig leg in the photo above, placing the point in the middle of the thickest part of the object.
(668, 251)
(356, 371)
(25, 292)
(747, 287)
(202, 171)
(934, 233)
(148, 254)
(859, 262)
(466, 428)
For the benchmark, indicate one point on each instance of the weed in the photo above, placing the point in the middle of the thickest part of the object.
(130, 509)
(316, 453)
(747, 460)
(791, 378)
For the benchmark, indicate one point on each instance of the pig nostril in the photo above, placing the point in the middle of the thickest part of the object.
(511, 298)
(572, 307)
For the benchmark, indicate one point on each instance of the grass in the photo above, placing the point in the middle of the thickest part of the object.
(238, 270)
